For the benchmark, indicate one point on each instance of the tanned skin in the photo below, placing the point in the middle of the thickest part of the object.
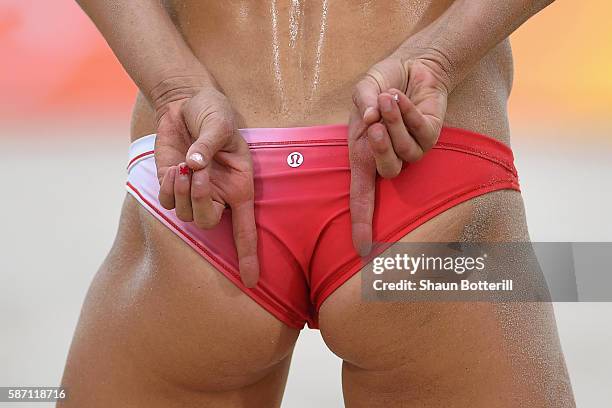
(162, 328)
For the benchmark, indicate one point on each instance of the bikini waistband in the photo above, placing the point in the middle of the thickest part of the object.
(450, 139)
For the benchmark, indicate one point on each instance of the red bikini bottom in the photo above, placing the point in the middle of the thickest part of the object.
(302, 207)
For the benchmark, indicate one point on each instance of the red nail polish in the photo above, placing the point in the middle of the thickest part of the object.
(183, 169)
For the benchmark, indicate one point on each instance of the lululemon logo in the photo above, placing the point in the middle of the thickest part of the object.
(295, 159)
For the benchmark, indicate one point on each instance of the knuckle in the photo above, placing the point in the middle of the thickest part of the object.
(393, 118)
(379, 146)
(196, 198)
(225, 126)
(380, 149)
(241, 235)
(404, 152)
(182, 189)
(198, 193)
(367, 85)
(359, 207)
(418, 127)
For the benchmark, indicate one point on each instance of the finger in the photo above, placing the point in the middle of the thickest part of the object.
(404, 145)
(182, 193)
(388, 164)
(169, 143)
(245, 237)
(206, 212)
(421, 129)
(365, 98)
(166, 190)
(363, 178)
(213, 136)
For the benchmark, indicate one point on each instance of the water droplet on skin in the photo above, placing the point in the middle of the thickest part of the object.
(295, 17)
(319, 52)
(278, 78)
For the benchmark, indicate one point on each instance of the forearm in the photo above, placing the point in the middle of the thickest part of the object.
(467, 31)
(149, 46)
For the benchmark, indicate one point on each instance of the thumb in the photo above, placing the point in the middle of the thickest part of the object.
(213, 136)
(365, 99)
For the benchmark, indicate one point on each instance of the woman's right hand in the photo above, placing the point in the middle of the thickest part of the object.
(204, 165)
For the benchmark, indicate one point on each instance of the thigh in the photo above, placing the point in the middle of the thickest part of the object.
(160, 327)
(460, 354)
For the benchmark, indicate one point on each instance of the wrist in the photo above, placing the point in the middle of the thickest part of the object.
(435, 58)
(174, 87)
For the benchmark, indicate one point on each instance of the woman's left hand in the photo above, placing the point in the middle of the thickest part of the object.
(398, 115)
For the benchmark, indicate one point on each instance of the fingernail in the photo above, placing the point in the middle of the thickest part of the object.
(198, 158)
(183, 170)
(385, 105)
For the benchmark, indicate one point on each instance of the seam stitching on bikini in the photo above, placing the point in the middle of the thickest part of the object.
(281, 143)
(457, 147)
